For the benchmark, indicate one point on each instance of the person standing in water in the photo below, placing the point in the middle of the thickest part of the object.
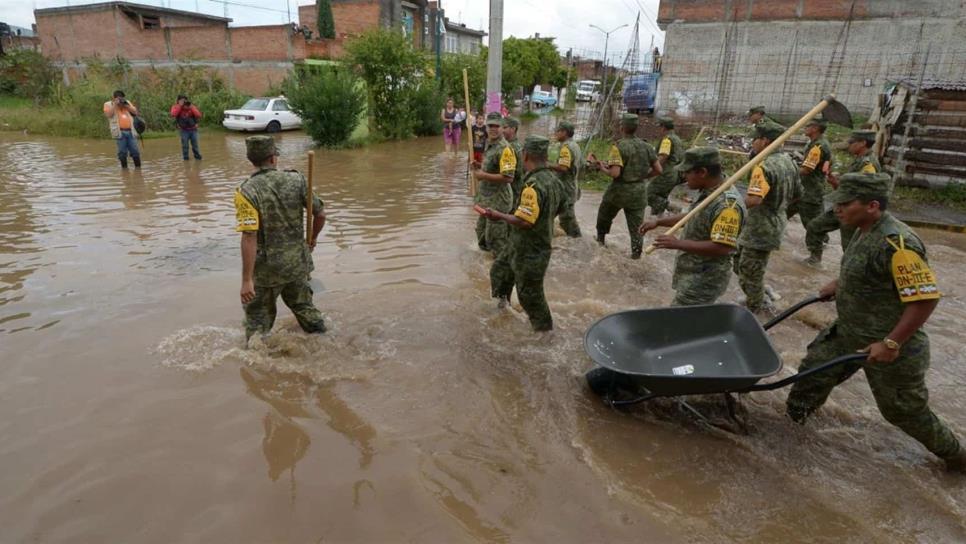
(452, 129)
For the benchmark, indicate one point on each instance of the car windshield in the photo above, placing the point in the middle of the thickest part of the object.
(586, 87)
(256, 104)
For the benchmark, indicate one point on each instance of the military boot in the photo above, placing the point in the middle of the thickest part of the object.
(636, 253)
(503, 302)
(957, 463)
(600, 237)
(814, 259)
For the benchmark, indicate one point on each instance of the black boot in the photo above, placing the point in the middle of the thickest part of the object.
(137, 162)
(123, 162)
(600, 237)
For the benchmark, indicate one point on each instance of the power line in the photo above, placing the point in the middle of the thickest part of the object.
(239, 4)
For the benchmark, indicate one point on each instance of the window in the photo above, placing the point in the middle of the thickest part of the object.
(407, 23)
(280, 105)
(256, 104)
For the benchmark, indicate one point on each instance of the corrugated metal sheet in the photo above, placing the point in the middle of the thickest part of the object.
(935, 84)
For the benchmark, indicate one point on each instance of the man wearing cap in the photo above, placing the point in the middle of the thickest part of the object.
(276, 260)
(865, 162)
(756, 114)
(814, 170)
(495, 173)
(510, 127)
(702, 269)
(669, 152)
(568, 162)
(884, 295)
(524, 262)
(631, 160)
(773, 184)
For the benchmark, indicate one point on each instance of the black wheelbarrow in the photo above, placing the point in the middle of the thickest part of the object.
(688, 350)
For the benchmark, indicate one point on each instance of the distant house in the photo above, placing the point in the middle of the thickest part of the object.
(455, 38)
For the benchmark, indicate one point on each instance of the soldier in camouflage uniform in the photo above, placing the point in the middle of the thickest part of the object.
(773, 184)
(703, 268)
(495, 175)
(884, 294)
(510, 127)
(865, 162)
(524, 262)
(630, 161)
(814, 170)
(670, 152)
(276, 260)
(568, 163)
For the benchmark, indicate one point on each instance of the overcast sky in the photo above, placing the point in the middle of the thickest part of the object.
(567, 20)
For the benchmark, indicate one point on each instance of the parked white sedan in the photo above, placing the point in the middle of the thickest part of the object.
(268, 114)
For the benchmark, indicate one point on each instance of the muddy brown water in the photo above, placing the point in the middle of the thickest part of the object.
(130, 411)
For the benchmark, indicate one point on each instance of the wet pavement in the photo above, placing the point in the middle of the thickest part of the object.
(131, 411)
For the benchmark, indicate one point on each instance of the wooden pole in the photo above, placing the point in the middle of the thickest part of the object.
(743, 171)
(309, 200)
(469, 132)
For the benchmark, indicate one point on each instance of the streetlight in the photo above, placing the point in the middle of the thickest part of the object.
(606, 39)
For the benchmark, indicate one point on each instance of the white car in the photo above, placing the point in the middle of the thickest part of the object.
(268, 114)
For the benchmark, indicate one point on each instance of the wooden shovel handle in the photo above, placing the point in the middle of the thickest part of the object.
(309, 200)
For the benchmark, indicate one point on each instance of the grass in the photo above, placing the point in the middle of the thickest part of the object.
(529, 116)
(952, 196)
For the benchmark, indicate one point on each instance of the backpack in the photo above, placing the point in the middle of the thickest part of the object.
(139, 125)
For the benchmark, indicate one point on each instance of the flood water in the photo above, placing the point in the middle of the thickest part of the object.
(131, 412)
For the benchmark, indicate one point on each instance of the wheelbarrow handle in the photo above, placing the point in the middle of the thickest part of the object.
(838, 361)
(784, 315)
(628, 402)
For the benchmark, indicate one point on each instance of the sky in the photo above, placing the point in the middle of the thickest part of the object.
(566, 20)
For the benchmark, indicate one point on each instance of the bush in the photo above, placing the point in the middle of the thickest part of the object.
(393, 71)
(26, 74)
(330, 100)
(428, 101)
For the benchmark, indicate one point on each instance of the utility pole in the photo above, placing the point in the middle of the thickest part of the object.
(606, 40)
(494, 59)
(439, 62)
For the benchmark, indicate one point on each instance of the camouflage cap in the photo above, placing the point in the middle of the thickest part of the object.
(566, 125)
(511, 122)
(862, 135)
(629, 120)
(538, 145)
(767, 129)
(817, 121)
(860, 186)
(494, 118)
(756, 109)
(699, 157)
(665, 122)
(259, 148)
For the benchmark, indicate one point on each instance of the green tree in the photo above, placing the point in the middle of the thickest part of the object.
(27, 74)
(329, 99)
(451, 78)
(325, 21)
(528, 63)
(392, 70)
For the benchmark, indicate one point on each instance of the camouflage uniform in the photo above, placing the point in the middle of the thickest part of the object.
(570, 158)
(817, 230)
(627, 192)
(775, 180)
(517, 184)
(525, 260)
(271, 203)
(818, 156)
(699, 279)
(499, 158)
(870, 300)
(660, 187)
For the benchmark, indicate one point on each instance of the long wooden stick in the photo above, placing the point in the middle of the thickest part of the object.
(469, 131)
(755, 161)
(309, 200)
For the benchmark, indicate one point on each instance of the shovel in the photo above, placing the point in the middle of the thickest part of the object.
(832, 110)
(314, 283)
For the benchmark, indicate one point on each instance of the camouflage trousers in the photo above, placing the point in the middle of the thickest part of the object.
(629, 197)
(809, 210)
(526, 272)
(297, 295)
(816, 233)
(490, 234)
(568, 218)
(697, 289)
(658, 190)
(899, 387)
(750, 265)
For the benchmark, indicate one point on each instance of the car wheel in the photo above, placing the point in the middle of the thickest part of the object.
(274, 126)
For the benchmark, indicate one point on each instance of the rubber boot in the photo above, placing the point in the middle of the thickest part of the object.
(957, 463)
(123, 162)
(137, 162)
(814, 259)
(600, 237)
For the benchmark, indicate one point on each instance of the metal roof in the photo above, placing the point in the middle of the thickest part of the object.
(934, 84)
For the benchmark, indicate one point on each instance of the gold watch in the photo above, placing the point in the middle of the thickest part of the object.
(891, 344)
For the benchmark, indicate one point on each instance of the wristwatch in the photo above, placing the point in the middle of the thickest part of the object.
(891, 344)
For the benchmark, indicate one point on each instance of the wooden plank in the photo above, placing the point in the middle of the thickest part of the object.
(944, 119)
(912, 155)
(943, 105)
(927, 144)
(933, 132)
(941, 94)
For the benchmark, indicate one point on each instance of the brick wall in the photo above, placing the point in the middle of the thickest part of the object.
(350, 18)
(21, 42)
(199, 43)
(706, 11)
(65, 37)
(261, 42)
